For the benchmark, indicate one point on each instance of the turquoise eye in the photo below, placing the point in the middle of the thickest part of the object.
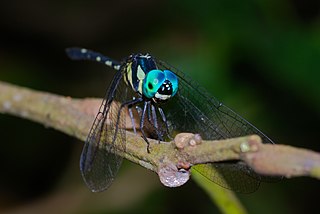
(160, 84)
(152, 83)
(173, 79)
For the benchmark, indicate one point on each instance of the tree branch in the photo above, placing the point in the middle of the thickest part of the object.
(171, 160)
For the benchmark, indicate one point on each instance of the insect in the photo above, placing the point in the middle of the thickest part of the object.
(166, 101)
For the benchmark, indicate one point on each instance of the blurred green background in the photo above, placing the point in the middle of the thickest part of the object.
(261, 58)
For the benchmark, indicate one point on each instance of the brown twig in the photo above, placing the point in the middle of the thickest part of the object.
(171, 160)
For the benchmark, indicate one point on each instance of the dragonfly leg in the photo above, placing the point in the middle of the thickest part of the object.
(152, 118)
(142, 125)
(132, 119)
(128, 103)
(139, 110)
(164, 119)
(149, 113)
(155, 122)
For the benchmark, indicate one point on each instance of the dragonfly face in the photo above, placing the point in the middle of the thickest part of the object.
(144, 78)
(160, 85)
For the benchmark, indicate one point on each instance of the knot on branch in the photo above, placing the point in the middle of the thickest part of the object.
(171, 175)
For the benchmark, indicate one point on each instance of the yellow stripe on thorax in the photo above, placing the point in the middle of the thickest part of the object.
(128, 80)
(141, 75)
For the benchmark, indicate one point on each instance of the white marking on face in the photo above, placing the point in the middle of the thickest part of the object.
(98, 58)
(83, 50)
(162, 96)
(140, 73)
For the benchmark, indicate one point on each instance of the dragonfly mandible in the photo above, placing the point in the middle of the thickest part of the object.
(166, 102)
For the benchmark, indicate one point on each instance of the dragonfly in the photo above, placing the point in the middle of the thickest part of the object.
(166, 101)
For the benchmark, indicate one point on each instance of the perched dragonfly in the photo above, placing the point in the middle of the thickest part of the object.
(166, 102)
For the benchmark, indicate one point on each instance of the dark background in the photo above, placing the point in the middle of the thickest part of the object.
(261, 58)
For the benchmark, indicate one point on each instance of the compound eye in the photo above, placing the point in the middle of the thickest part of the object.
(172, 77)
(152, 82)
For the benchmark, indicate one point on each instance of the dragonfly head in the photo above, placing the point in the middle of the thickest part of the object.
(160, 85)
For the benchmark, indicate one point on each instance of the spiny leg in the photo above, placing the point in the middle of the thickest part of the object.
(139, 110)
(164, 119)
(132, 120)
(155, 122)
(152, 118)
(149, 112)
(142, 124)
(128, 103)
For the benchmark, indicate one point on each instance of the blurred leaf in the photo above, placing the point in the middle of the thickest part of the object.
(225, 199)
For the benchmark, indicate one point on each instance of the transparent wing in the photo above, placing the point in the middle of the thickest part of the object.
(99, 164)
(194, 110)
(231, 175)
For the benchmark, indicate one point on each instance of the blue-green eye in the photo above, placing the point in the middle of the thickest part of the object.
(173, 79)
(160, 85)
(152, 82)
